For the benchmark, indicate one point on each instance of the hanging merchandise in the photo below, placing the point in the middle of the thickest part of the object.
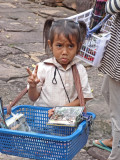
(98, 14)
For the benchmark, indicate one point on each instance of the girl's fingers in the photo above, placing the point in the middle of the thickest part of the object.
(29, 71)
(37, 81)
(34, 75)
(30, 80)
(50, 112)
(36, 69)
(33, 79)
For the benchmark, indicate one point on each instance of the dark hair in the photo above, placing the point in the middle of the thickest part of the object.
(67, 27)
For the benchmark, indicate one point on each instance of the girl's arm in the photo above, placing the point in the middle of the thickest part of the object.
(76, 102)
(73, 103)
(33, 93)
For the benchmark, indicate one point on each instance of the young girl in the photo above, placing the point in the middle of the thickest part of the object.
(52, 83)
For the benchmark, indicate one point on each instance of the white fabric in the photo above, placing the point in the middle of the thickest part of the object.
(54, 94)
(101, 46)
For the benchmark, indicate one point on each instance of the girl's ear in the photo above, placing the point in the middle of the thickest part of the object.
(79, 47)
(83, 30)
(49, 44)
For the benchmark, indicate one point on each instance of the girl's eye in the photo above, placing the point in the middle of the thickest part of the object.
(71, 46)
(59, 45)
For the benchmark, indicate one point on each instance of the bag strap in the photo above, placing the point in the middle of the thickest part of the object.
(78, 86)
(21, 94)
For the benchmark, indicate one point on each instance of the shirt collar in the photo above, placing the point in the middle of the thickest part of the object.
(53, 61)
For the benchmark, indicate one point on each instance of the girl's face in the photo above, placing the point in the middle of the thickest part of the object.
(63, 50)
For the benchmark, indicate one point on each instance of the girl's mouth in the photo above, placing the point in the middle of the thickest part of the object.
(64, 60)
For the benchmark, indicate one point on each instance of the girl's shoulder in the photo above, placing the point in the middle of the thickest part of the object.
(45, 65)
(77, 61)
(41, 66)
(81, 69)
(80, 66)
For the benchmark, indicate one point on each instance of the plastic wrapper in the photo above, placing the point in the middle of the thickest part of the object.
(18, 122)
(66, 116)
(101, 46)
(14, 122)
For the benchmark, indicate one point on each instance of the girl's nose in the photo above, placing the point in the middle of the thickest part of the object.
(64, 52)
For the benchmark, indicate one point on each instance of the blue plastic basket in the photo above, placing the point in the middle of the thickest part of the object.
(45, 142)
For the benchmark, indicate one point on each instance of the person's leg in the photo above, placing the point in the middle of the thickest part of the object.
(105, 93)
(105, 88)
(114, 104)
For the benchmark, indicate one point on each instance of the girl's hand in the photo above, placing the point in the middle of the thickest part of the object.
(33, 79)
(50, 112)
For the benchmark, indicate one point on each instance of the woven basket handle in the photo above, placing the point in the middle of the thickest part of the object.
(78, 86)
(21, 94)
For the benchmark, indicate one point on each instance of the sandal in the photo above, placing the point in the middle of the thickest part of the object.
(102, 146)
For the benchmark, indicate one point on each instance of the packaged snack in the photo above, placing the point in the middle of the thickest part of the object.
(66, 116)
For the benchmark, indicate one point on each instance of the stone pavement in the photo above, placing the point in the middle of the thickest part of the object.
(21, 45)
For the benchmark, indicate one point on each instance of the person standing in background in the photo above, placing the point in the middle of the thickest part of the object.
(110, 66)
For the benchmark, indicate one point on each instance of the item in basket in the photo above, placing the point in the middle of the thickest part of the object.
(2, 117)
(18, 122)
(66, 116)
(102, 34)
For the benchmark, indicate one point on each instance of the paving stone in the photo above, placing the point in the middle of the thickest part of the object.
(98, 153)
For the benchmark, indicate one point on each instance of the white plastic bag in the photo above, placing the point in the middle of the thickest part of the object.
(102, 44)
(18, 122)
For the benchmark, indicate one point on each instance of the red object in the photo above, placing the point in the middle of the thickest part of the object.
(101, 0)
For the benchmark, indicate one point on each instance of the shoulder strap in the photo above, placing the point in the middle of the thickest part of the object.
(21, 94)
(78, 86)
